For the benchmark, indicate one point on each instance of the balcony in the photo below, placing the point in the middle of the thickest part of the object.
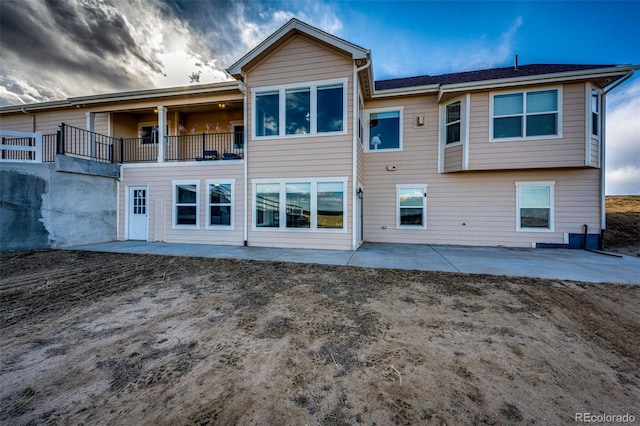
(192, 147)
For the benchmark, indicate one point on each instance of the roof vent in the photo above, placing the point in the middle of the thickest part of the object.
(515, 63)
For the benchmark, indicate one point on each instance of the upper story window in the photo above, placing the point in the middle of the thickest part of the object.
(385, 129)
(453, 122)
(528, 114)
(300, 109)
(595, 113)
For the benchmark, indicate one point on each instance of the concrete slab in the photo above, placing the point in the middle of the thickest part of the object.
(563, 264)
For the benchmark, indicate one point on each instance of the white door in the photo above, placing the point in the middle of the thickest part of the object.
(138, 213)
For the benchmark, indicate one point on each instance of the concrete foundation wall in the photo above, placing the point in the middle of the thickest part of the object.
(41, 206)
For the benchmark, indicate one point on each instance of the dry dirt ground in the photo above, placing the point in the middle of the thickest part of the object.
(90, 338)
(623, 224)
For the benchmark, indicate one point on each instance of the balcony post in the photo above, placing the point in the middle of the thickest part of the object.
(91, 137)
(162, 133)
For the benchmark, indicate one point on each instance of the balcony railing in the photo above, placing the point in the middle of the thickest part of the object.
(81, 143)
(205, 146)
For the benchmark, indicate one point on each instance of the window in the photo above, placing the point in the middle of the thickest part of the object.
(297, 111)
(308, 109)
(526, 114)
(315, 205)
(267, 205)
(330, 109)
(412, 206)
(385, 129)
(534, 211)
(185, 204)
(595, 113)
(148, 135)
(267, 114)
(298, 196)
(330, 205)
(219, 204)
(453, 122)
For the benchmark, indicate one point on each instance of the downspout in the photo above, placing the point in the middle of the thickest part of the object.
(33, 119)
(354, 189)
(245, 231)
(603, 132)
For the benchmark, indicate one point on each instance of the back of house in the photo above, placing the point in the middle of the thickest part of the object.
(303, 148)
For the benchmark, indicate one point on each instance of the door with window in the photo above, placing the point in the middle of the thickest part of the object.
(138, 213)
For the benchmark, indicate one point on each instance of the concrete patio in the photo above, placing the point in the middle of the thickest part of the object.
(564, 264)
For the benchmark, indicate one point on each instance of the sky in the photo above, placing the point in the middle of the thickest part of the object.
(51, 50)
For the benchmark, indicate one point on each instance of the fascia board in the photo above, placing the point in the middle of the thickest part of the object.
(415, 90)
(35, 107)
(156, 93)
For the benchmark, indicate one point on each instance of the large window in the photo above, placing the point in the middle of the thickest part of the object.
(531, 114)
(411, 206)
(219, 204)
(385, 129)
(315, 204)
(534, 210)
(302, 109)
(185, 204)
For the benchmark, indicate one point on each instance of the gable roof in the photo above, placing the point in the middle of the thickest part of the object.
(295, 26)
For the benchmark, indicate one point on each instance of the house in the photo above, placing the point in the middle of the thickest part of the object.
(305, 149)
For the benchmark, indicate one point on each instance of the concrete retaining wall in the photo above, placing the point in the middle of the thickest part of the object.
(43, 206)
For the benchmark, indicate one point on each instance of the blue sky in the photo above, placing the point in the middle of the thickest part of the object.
(56, 49)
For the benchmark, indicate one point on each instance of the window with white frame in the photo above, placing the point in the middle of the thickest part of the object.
(534, 206)
(310, 204)
(595, 113)
(453, 122)
(528, 114)
(385, 129)
(185, 204)
(411, 206)
(312, 108)
(219, 204)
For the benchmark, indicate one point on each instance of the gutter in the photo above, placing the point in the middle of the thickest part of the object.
(603, 137)
(354, 189)
(245, 231)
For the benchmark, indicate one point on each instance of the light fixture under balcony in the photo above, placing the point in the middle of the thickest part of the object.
(222, 106)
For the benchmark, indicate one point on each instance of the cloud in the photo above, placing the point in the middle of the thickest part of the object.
(57, 49)
(623, 139)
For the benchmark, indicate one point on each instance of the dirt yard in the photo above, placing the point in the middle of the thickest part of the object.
(91, 338)
(623, 224)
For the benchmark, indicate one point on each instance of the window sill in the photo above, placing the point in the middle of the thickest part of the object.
(298, 135)
(536, 230)
(449, 145)
(527, 138)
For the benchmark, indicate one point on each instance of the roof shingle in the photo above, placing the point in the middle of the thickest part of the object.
(482, 75)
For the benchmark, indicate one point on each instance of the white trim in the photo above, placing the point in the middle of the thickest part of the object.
(551, 186)
(37, 149)
(464, 131)
(313, 204)
(182, 164)
(423, 187)
(207, 203)
(367, 128)
(174, 183)
(313, 118)
(524, 114)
